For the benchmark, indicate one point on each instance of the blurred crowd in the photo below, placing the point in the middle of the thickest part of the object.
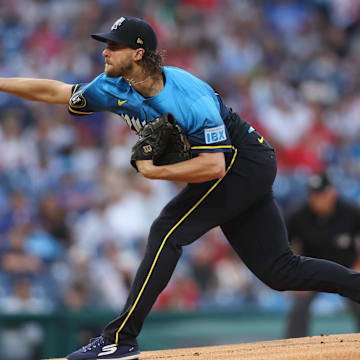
(74, 215)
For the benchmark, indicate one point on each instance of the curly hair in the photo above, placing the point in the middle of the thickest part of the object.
(152, 61)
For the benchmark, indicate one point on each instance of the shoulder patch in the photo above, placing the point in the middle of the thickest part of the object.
(215, 134)
(77, 100)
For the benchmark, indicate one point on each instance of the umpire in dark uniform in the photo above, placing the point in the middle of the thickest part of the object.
(324, 227)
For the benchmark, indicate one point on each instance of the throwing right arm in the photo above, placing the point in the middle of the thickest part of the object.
(44, 90)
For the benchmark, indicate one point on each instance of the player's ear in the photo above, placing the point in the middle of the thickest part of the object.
(138, 54)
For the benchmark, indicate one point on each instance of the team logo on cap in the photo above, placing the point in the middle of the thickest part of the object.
(139, 41)
(118, 23)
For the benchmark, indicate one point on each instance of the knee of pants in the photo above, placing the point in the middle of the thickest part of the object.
(273, 282)
(277, 285)
(158, 232)
(281, 275)
(277, 279)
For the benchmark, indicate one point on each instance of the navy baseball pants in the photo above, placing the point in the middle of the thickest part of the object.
(242, 204)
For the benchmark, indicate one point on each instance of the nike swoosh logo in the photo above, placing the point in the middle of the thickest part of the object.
(261, 140)
(121, 102)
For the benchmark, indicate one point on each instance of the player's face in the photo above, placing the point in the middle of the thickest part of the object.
(323, 203)
(118, 60)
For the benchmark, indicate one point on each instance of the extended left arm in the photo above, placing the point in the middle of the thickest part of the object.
(205, 167)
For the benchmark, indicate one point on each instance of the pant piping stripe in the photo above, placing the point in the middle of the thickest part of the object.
(163, 244)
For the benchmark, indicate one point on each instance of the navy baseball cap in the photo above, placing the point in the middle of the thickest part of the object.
(132, 32)
(318, 182)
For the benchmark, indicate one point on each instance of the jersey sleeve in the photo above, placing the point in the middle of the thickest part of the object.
(78, 104)
(86, 98)
(205, 128)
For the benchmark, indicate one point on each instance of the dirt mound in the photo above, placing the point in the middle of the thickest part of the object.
(325, 347)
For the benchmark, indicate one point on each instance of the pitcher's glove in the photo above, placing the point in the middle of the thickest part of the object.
(162, 141)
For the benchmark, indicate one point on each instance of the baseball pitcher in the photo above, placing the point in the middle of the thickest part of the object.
(187, 134)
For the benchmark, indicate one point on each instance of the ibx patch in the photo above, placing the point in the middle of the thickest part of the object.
(216, 134)
(78, 101)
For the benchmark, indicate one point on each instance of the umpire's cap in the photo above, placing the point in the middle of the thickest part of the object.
(318, 183)
(132, 32)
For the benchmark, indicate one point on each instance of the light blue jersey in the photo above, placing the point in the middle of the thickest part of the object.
(193, 102)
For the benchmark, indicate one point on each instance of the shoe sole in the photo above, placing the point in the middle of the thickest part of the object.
(130, 357)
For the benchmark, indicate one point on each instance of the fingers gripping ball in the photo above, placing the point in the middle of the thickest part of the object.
(162, 141)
